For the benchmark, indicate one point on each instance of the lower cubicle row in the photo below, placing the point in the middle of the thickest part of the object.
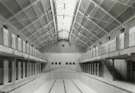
(16, 69)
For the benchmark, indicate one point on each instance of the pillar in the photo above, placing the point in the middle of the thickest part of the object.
(5, 78)
(98, 69)
(23, 69)
(35, 68)
(28, 71)
(13, 70)
(92, 68)
(95, 69)
(19, 70)
(40, 67)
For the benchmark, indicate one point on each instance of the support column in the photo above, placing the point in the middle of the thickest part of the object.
(19, 70)
(23, 69)
(28, 71)
(32, 69)
(6, 71)
(95, 69)
(13, 70)
(92, 68)
(35, 69)
(40, 67)
(98, 69)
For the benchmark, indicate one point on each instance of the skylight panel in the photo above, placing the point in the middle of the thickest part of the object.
(65, 10)
(63, 35)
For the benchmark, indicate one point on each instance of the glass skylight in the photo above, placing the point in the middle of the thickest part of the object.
(65, 10)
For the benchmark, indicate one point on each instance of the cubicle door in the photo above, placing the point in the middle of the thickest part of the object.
(1, 72)
(133, 69)
(1, 36)
(10, 72)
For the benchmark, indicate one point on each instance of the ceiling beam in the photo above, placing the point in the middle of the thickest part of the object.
(44, 45)
(32, 23)
(43, 41)
(88, 31)
(101, 28)
(99, 6)
(86, 41)
(39, 38)
(85, 36)
(42, 36)
(78, 38)
(39, 18)
(44, 27)
(24, 9)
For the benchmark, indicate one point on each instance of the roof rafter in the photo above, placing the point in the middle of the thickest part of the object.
(42, 36)
(85, 36)
(40, 29)
(34, 21)
(78, 38)
(24, 9)
(99, 6)
(45, 45)
(88, 31)
(102, 29)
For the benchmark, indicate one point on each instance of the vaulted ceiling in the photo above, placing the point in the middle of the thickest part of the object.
(40, 20)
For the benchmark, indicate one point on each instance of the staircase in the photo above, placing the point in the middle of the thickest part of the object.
(116, 75)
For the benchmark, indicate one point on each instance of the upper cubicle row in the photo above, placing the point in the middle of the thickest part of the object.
(122, 45)
(12, 45)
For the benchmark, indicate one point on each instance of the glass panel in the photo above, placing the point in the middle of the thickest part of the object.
(65, 10)
(63, 35)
